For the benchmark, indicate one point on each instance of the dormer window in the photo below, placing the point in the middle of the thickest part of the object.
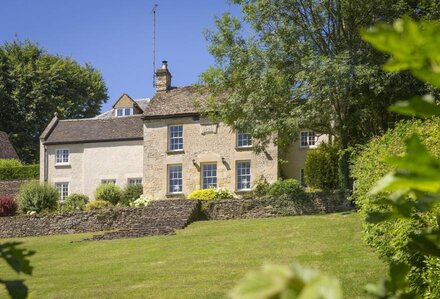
(123, 112)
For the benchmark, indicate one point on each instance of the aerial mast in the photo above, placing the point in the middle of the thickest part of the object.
(154, 43)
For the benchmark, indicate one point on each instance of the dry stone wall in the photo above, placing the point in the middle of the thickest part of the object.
(11, 188)
(316, 203)
(170, 214)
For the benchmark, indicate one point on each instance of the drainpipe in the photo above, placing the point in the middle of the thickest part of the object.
(45, 168)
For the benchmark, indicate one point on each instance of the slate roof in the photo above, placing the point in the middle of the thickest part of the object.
(7, 151)
(179, 101)
(93, 130)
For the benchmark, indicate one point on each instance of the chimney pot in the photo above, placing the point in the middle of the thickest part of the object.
(163, 78)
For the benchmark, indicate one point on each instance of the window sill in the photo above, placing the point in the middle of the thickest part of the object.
(180, 195)
(244, 148)
(243, 191)
(61, 165)
(308, 147)
(177, 152)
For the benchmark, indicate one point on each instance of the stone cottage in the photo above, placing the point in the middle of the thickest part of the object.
(163, 144)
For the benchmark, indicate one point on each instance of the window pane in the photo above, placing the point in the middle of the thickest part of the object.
(63, 190)
(119, 112)
(62, 156)
(209, 176)
(175, 138)
(243, 139)
(244, 175)
(175, 178)
(308, 139)
(135, 181)
(127, 111)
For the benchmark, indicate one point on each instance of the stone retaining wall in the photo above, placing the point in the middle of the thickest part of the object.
(313, 203)
(174, 214)
(11, 188)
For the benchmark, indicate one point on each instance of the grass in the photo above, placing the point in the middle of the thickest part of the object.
(205, 260)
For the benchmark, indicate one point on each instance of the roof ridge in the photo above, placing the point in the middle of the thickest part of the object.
(95, 118)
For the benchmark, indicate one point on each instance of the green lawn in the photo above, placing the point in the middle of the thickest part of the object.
(205, 260)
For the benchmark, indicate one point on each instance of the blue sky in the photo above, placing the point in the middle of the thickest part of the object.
(115, 36)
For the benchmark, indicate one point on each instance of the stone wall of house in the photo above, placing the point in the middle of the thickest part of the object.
(203, 142)
(174, 214)
(316, 203)
(11, 188)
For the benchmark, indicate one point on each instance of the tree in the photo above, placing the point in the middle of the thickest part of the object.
(294, 64)
(34, 85)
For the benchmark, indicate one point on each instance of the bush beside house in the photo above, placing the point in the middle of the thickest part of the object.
(8, 206)
(321, 167)
(12, 169)
(109, 192)
(36, 197)
(390, 238)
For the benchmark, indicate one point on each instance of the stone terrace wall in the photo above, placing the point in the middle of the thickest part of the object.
(173, 214)
(316, 203)
(11, 188)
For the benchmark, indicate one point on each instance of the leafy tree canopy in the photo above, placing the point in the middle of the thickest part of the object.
(292, 64)
(35, 84)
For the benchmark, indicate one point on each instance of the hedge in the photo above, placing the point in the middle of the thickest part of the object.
(23, 172)
(390, 238)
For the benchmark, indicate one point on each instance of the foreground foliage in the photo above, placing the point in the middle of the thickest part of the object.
(18, 261)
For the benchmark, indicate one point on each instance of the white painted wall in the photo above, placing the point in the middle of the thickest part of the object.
(92, 162)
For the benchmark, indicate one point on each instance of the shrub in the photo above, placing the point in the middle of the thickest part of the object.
(142, 201)
(10, 163)
(285, 189)
(74, 202)
(223, 193)
(204, 194)
(97, 204)
(321, 167)
(390, 238)
(21, 172)
(261, 187)
(36, 197)
(131, 193)
(108, 192)
(8, 206)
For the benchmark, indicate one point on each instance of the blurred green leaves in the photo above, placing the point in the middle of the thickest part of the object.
(283, 282)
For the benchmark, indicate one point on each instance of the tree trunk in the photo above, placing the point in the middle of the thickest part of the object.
(344, 164)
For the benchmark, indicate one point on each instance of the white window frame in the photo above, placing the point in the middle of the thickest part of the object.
(210, 175)
(63, 190)
(125, 111)
(242, 136)
(307, 139)
(170, 184)
(239, 175)
(60, 156)
(108, 181)
(134, 181)
(171, 138)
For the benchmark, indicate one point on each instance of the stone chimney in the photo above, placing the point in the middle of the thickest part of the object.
(163, 78)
